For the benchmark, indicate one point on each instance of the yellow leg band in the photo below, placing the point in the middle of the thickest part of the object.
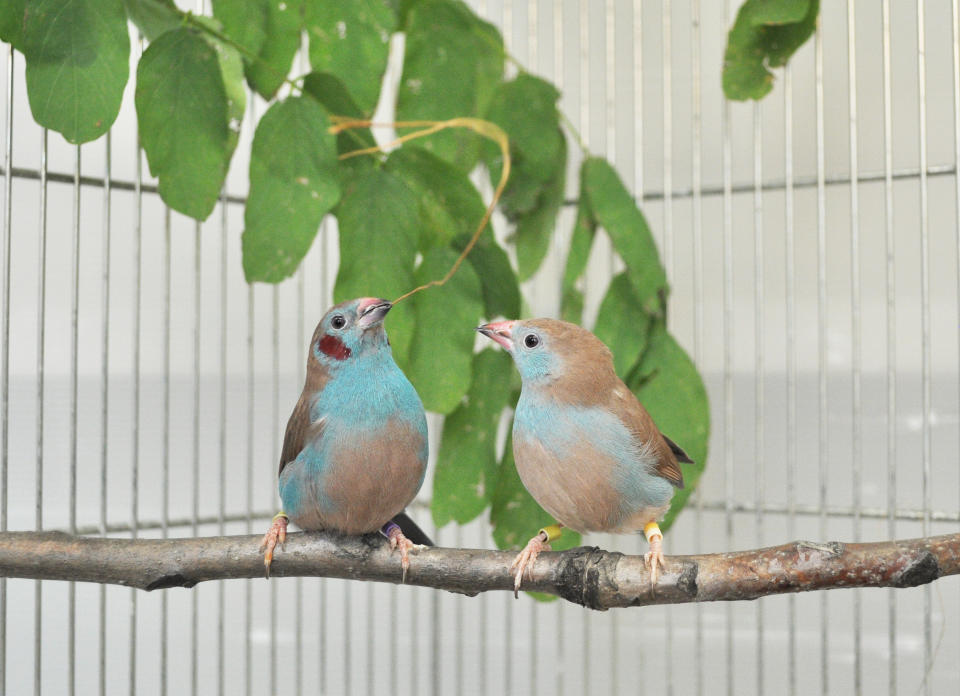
(279, 515)
(651, 530)
(552, 532)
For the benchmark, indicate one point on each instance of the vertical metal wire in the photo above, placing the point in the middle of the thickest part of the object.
(891, 336)
(135, 467)
(41, 327)
(759, 417)
(668, 241)
(924, 326)
(791, 316)
(195, 473)
(698, 299)
(251, 394)
(855, 330)
(822, 345)
(104, 403)
(222, 446)
(165, 446)
(5, 367)
(248, 587)
(638, 94)
(727, 330)
(956, 144)
(667, 96)
(300, 354)
(275, 449)
(323, 585)
(74, 348)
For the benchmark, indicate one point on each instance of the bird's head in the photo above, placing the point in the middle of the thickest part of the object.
(547, 349)
(350, 330)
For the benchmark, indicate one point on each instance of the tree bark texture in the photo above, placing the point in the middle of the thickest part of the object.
(588, 576)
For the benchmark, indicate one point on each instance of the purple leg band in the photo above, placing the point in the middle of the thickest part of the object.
(388, 528)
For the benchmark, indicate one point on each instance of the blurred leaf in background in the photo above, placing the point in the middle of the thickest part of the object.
(765, 35)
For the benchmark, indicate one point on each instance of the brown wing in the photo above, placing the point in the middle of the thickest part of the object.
(635, 417)
(299, 429)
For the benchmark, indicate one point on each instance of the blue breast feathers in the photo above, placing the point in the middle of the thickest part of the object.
(559, 426)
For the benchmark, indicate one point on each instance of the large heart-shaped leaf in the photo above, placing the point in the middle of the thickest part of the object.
(293, 184)
(442, 349)
(281, 42)
(615, 210)
(351, 40)
(452, 63)
(184, 114)
(244, 21)
(78, 57)
(622, 324)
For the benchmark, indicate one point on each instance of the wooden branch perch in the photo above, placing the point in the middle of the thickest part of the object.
(589, 576)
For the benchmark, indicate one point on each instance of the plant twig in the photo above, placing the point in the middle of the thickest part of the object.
(485, 128)
(589, 576)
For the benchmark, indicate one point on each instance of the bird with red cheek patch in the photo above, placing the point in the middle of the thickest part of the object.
(585, 448)
(355, 451)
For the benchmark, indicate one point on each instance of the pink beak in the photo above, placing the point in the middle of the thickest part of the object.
(499, 331)
(372, 310)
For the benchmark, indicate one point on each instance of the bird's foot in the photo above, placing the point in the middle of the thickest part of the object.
(654, 557)
(523, 563)
(276, 534)
(399, 541)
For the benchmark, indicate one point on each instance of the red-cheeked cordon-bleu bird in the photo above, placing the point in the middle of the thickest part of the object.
(585, 448)
(355, 450)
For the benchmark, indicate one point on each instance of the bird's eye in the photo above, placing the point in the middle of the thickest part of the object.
(531, 341)
(338, 322)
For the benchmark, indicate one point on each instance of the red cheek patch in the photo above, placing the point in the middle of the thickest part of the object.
(333, 347)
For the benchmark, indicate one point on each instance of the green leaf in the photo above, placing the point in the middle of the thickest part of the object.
(184, 117)
(669, 386)
(622, 324)
(615, 210)
(11, 22)
(293, 184)
(538, 154)
(467, 462)
(231, 70)
(351, 40)
(450, 205)
(154, 17)
(442, 349)
(244, 21)
(514, 513)
(535, 227)
(78, 57)
(379, 224)
(280, 45)
(766, 33)
(584, 230)
(537, 146)
(501, 293)
(452, 64)
(333, 94)
(450, 210)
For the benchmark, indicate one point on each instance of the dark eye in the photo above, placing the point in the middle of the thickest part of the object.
(531, 341)
(338, 322)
